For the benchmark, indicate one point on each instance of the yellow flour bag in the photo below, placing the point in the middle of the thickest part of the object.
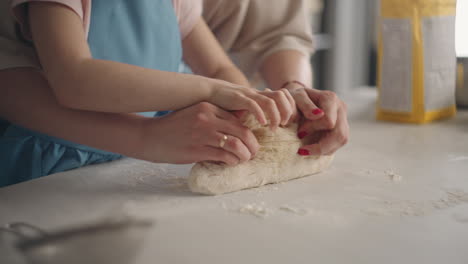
(416, 60)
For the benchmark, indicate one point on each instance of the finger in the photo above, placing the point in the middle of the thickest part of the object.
(270, 108)
(240, 114)
(225, 115)
(294, 114)
(254, 108)
(329, 103)
(332, 141)
(283, 104)
(241, 132)
(289, 97)
(218, 155)
(306, 104)
(306, 128)
(232, 144)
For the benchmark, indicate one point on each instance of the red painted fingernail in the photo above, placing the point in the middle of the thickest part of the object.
(302, 134)
(317, 111)
(303, 152)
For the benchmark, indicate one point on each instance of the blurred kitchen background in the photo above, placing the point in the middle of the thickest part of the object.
(346, 37)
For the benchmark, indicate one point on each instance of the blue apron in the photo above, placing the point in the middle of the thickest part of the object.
(138, 32)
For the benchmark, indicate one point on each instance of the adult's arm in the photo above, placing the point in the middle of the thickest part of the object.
(205, 56)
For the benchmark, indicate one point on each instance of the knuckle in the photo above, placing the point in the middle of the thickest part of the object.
(201, 118)
(344, 139)
(252, 103)
(245, 132)
(341, 138)
(270, 102)
(204, 106)
(278, 95)
(235, 144)
(328, 123)
(284, 90)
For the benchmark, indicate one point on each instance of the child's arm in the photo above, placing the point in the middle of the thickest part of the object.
(186, 136)
(81, 82)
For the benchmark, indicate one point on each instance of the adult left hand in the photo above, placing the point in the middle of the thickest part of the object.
(323, 121)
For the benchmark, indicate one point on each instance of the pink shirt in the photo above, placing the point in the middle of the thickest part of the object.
(187, 11)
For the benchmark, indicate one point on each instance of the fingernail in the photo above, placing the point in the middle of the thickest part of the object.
(317, 111)
(303, 152)
(302, 134)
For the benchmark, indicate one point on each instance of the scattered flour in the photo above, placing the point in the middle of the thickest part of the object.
(261, 211)
(293, 210)
(393, 176)
(258, 210)
(452, 198)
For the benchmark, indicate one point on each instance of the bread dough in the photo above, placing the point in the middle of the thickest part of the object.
(276, 161)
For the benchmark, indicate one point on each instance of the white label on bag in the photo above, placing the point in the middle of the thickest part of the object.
(438, 35)
(397, 65)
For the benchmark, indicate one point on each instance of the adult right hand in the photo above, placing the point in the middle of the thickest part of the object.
(194, 134)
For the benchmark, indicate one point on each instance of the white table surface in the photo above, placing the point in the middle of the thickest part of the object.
(352, 213)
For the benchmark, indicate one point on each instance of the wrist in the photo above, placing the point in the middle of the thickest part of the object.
(293, 84)
(207, 87)
(144, 134)
(214, 86)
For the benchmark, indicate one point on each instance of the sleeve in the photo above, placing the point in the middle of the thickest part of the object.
(251, 30)
(188, 13)
(19, 11)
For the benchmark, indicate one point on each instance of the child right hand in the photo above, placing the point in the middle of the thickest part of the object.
(276, 106)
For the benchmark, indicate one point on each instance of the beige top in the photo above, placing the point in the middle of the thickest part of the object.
(14, 52)
(251, 30)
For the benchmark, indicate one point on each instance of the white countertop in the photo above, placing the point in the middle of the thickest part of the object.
(353, 213)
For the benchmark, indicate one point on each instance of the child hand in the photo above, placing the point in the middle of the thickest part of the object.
(197, 133)
(285, 103)
(277, 106)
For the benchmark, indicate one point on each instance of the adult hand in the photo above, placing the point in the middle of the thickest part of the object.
(324, 120)
(194, 134)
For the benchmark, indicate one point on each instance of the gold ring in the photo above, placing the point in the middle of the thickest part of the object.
(222, 141)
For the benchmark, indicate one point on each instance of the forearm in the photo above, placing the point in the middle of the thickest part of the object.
(29, 102)
(81, 82)
(108, 86)
(232, 75)
(206, 57)
(284, 66)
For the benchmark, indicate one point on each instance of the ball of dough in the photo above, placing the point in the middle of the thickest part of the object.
(276, 161)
